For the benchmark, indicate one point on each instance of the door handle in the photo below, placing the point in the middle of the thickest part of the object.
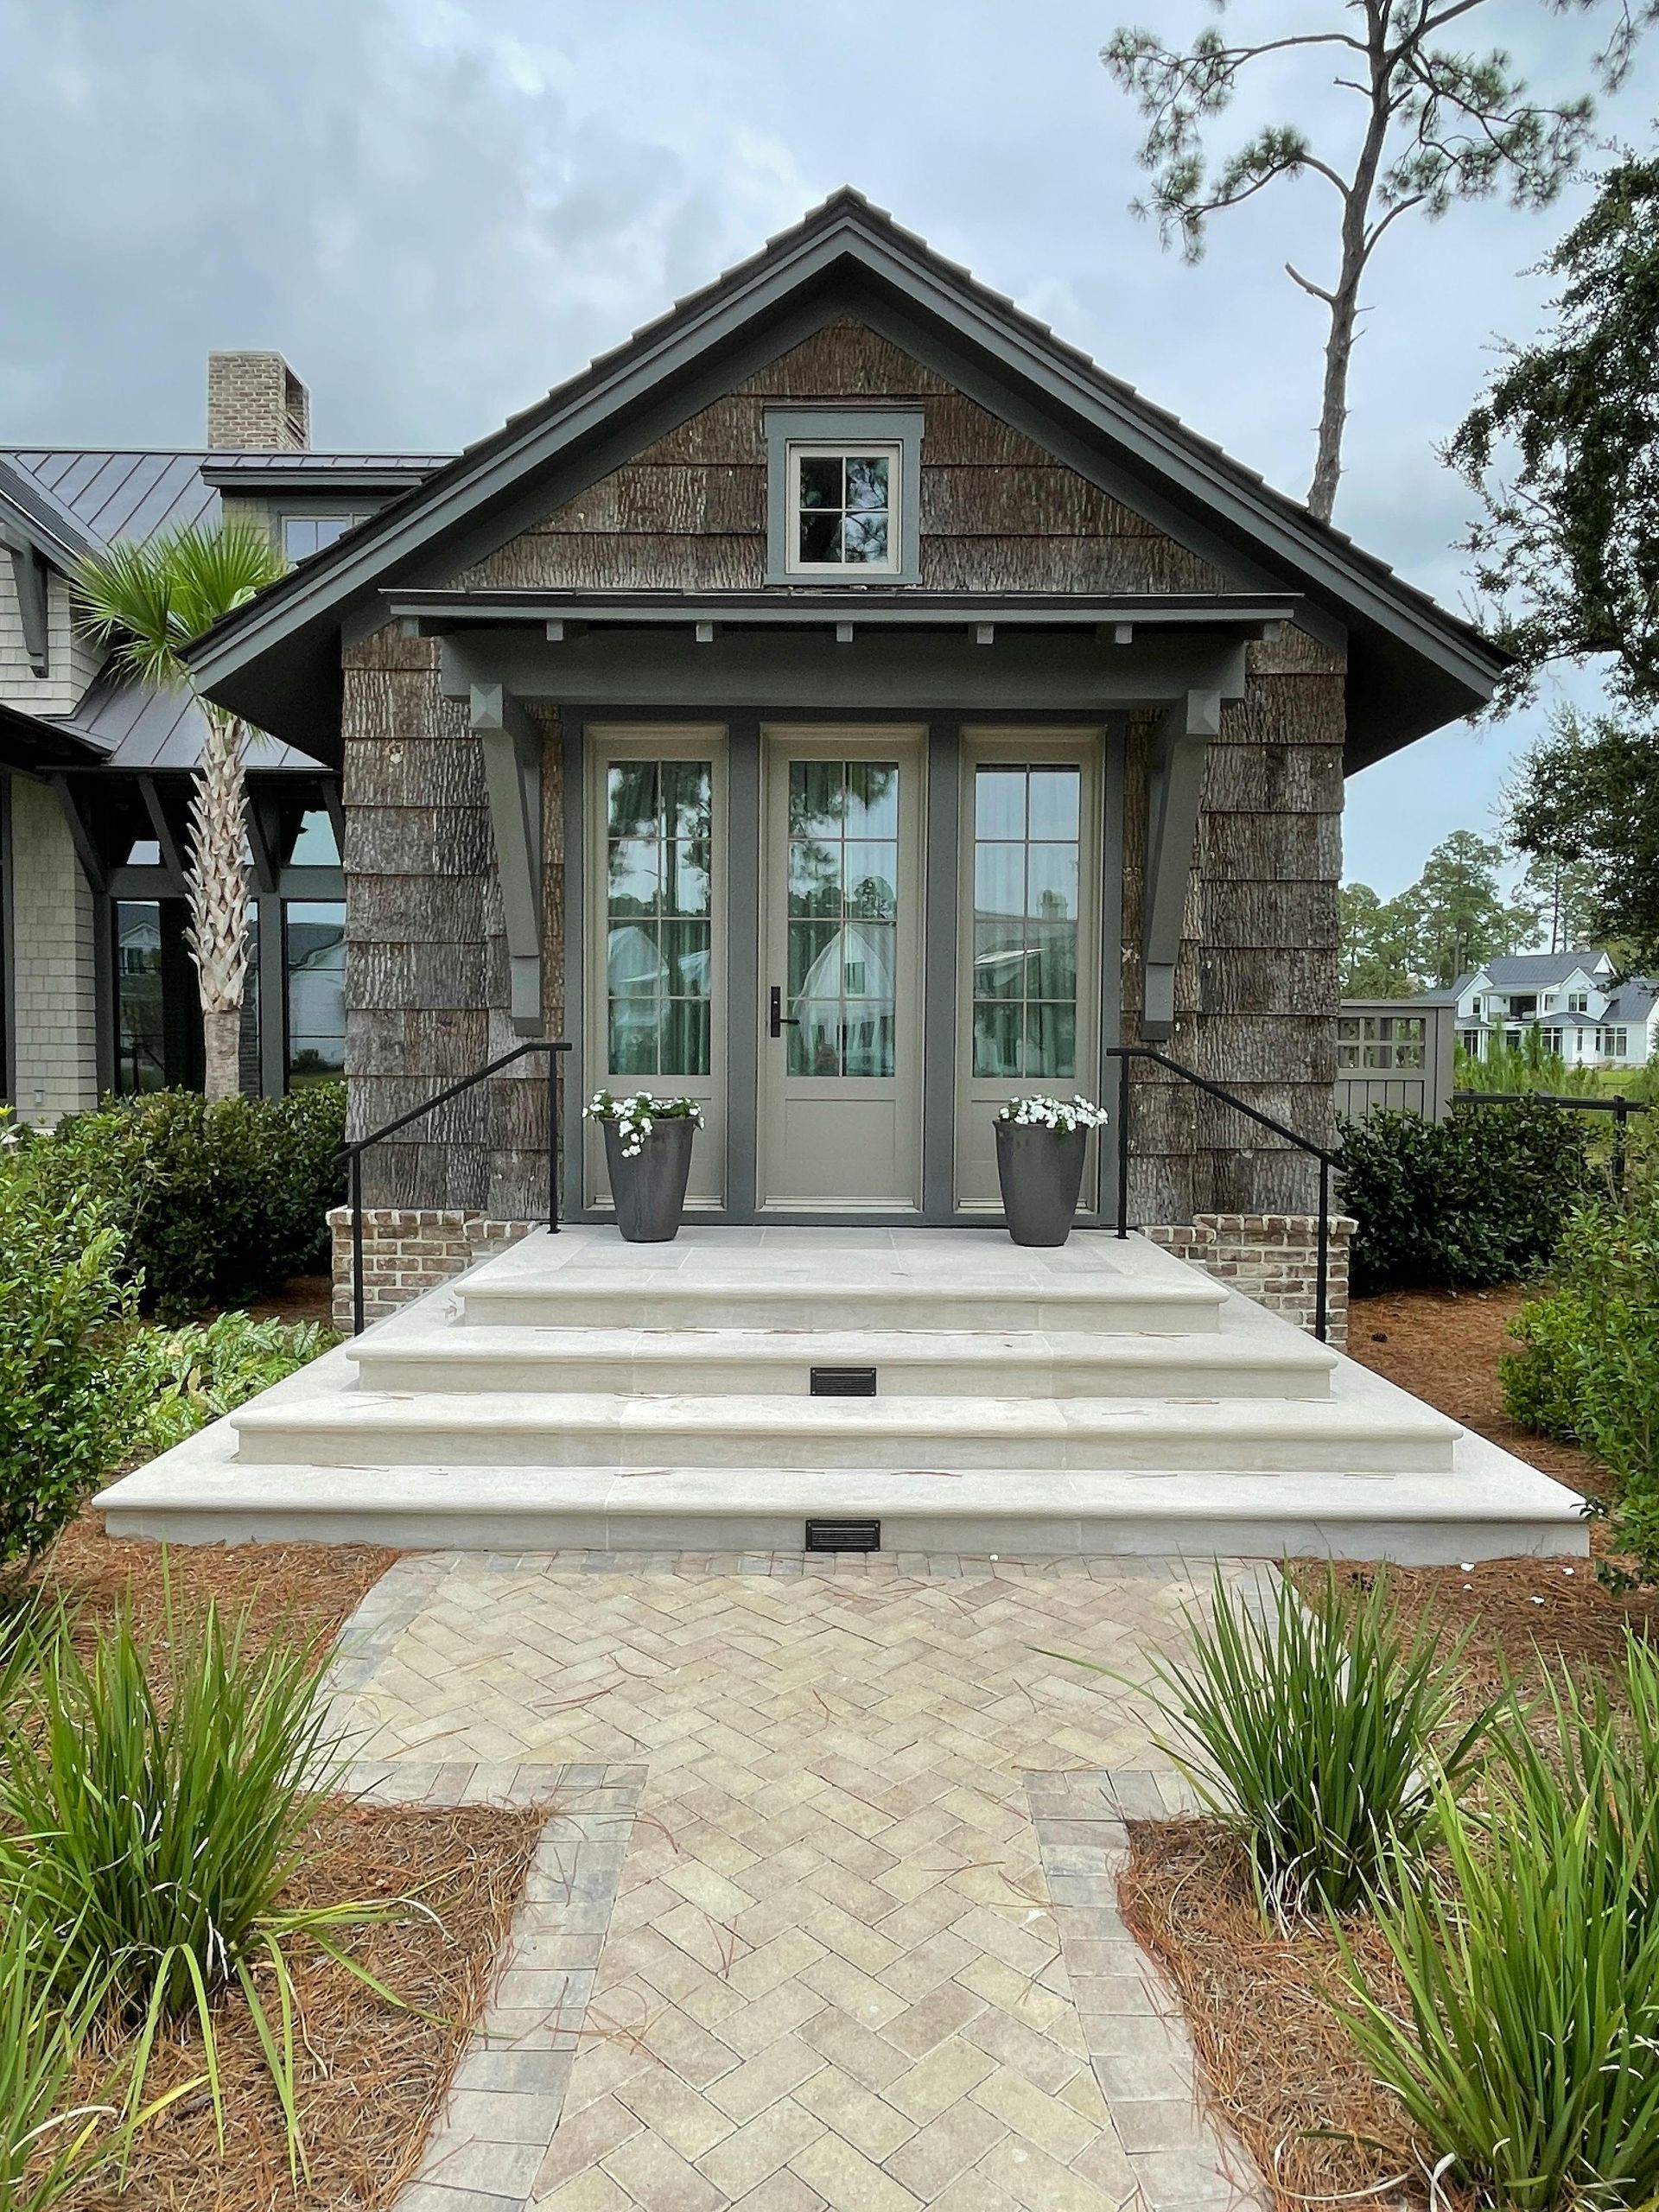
(780, 1020)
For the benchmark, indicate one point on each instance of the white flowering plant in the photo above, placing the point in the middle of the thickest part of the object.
(636, 1115)
(1063, 1115)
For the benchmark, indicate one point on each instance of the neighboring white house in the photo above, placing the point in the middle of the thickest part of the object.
(1588, 1018)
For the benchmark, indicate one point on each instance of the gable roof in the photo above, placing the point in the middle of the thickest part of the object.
(1415, 665)
(1512, 968)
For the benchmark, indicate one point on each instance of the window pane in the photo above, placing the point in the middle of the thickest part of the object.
(864, 537)
(1000, 803)
(140, 1048)
(997, 1039)
(685, 1038)
(817, 798)
(1054, 802)
(1050, 1041)
(1054, 961)
(820, 538)
(821, 480)
(634, 870)
(632, 790)
(867, 1039)
(872, 880)
(686, 959)
(1000, 880)
(872, 805)
(314, 935)
(685, 877)
(634, 962)
(867, 482)
(1051, 892)
(634, 1027)
(1000, 961)
(808, 942)
(814, 879)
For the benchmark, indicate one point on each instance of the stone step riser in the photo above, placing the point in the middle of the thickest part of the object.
(796, 1444)
(1132, 1314)
(719, 1375)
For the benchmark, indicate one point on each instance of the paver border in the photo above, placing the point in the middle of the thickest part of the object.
(1140, 2048)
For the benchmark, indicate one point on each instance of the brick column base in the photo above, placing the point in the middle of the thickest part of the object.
(1273, 1258)
(406, 1252)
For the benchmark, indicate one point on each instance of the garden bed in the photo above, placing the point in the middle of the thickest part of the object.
(370, 2077)
(1278, 2069)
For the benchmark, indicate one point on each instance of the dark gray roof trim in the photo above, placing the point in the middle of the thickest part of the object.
(847, 237)
(320, 472)
(32, 742)
(906, 608)
(27, 513)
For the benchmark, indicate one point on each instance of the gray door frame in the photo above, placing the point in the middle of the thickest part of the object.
(742, 981)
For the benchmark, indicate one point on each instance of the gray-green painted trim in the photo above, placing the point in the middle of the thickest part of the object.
(941, 887)
(1175, 791)
(511, 748)
(1114, 778)
(898, 426)
(772, 669)
(8, 945)
(744, 832)
(865, 607)
(573, 1134)
(271, 987)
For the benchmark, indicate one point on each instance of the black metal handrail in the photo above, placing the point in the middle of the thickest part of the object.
(1329, 1161)
(353, 1151)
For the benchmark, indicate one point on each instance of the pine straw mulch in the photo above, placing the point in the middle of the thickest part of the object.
(1280, 2068)
(371, 2076)
(307, 1591)
(1521, 1614)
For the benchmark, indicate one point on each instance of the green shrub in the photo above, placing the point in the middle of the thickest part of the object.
(220, 1202)
(1589, 1373)
(1530, 1963)
(74, 1388)
(155, 1806)
(1476, 1199)
(1314, 1733)
(207, 1368)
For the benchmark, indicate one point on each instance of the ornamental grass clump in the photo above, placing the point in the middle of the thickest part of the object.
(156, 1802)
(1527, 2050)
(1316, 1734)
(48, 2145)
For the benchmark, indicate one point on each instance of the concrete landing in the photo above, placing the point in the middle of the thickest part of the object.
(1103, 1398)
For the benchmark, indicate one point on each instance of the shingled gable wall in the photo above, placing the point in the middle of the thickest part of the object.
(426, 978)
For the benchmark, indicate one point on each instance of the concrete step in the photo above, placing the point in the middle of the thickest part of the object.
(1492, 1507)
(1235, 1363)
(582, 1429)
(1097, 1302)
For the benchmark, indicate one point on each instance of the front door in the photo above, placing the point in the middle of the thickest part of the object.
(841, 1019)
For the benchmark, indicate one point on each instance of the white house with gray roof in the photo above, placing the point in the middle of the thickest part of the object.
(98, 988)
(1587, 1014)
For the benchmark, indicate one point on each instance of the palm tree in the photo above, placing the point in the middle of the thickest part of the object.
(146, 602)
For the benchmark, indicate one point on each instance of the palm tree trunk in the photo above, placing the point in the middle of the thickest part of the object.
(216, 888)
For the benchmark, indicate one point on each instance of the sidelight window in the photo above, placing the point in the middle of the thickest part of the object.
(658, 917)
(1027, 831)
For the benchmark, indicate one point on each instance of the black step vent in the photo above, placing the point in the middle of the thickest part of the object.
(844, 1535)
(843, 1382)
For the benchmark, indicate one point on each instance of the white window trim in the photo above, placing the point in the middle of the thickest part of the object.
(889, 449)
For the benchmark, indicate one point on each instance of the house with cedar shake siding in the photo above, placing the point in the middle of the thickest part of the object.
(847, 704)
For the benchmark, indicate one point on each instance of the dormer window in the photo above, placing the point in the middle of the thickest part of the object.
(306, 534)
(843, 489)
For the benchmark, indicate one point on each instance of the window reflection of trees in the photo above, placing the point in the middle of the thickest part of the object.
(658, 904)
(843, 915)
(1026, 892)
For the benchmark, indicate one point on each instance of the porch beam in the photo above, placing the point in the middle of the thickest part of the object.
(512, 747)
(1173, 791)
(80, 835)
(167, 844)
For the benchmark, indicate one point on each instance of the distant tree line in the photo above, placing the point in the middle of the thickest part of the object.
(1457, 916)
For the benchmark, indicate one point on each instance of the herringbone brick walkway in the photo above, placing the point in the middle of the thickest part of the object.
(829, 1974)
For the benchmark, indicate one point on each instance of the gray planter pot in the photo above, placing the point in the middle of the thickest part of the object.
(1041, 1173)
(650, 1189)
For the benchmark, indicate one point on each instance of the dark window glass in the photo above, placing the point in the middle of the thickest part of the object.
(1026, 825)
(140, 1045)
(304, 535)
(844, 508)
(657, 906)
(315, 948)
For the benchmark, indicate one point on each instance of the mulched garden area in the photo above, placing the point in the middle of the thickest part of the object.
(370, 2077)
(308, 1590)
(1278, 2066)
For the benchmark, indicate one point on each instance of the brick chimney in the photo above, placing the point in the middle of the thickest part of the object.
(256, 402)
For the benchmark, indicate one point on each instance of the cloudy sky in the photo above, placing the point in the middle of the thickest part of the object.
(437, 209)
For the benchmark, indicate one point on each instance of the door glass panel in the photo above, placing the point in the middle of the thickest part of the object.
(1025, 906)
(658, 898)
(843, 904)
